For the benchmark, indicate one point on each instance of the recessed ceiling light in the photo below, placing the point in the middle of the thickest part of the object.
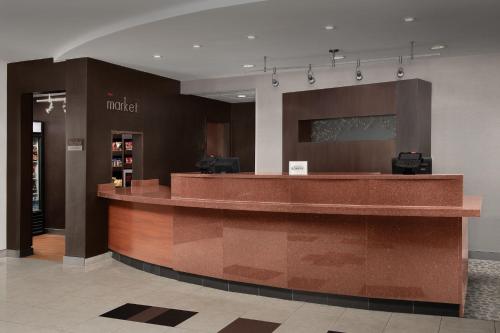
(409, 19)
(242, 96)
(251, 37)
(196, 46)
(438, 47)
(157, 56)
(248, 66)
(329, 27)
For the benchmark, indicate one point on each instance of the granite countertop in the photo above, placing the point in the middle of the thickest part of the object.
(150, 192)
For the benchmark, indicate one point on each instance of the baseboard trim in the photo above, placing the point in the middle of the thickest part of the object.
(25, 252)
(358, 302)
(7, 253)
(78, 261)
(484, 255)
(53, 231)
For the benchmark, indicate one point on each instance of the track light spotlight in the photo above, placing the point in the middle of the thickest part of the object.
(310, 75)
(274, 80)
(401, 72)
(333, 56)
(51, 105)
(50, 108)
(359, 75)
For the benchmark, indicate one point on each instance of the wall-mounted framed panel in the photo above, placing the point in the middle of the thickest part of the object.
(346, 129)
(356, 128)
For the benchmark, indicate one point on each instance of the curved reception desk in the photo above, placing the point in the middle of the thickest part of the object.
(384, 242)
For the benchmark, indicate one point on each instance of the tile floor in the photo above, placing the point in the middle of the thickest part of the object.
(43, 296)
(483, 291)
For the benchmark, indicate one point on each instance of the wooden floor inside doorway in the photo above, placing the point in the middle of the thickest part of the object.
(48, 247)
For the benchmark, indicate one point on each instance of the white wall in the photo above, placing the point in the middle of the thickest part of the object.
(465, 122)
(3, 154)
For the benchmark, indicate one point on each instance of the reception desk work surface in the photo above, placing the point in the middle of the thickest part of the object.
(382, 242)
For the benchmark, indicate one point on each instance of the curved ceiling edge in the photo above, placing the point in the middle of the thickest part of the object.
(189, 7)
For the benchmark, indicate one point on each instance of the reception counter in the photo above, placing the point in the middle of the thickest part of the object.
(384, 242)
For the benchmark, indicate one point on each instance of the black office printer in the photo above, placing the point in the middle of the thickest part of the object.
(411, 163)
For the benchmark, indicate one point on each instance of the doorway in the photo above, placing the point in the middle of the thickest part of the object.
(218, 139)
(48, 175)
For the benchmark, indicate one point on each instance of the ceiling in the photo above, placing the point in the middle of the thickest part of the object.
(33, 29)
(289, 32)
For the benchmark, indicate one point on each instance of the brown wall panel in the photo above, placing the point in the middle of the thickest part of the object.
(351, 101)
(408, 100)
(353, 156)
(414, 116)
(243, 135)
(76, 161)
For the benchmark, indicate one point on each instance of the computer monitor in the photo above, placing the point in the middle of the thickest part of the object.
(219, 165)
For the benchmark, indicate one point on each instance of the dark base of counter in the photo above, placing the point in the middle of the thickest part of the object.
(377, 304)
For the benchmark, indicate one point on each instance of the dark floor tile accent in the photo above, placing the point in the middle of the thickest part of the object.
(215, 283)
(115, 256)
(169, 273)
(348, 301)
(190, 278)
(390, 305)
(148, 314)
(242, 325)
(125, 311)
(310, 297)
(436, 309)
(243, 288)
(171, 317)
(276, 292)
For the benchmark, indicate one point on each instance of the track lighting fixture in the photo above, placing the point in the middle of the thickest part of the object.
(51, 105)
(50, 108)
(51, 98)
(359, 75)
(274, 80)
(333, 56)
(310, 75)
(401, 72)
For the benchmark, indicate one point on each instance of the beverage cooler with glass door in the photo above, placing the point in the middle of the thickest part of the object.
(38, 192)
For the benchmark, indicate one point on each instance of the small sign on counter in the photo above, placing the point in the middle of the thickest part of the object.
(297, 168)
(75, 144)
